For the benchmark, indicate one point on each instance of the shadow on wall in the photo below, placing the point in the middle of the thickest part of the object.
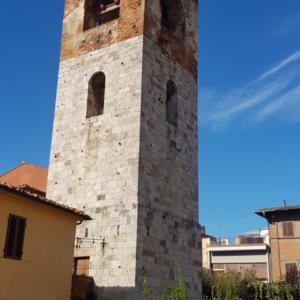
(84, 288)
(116, 293)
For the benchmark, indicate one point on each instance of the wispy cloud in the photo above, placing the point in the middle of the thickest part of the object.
(288, 27)
(292, 58)
(288, 102)
(258, 100)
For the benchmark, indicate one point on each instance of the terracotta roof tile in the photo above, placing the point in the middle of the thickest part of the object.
(34, 196)
(27, 174)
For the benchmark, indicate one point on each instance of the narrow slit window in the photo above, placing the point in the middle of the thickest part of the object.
(15, 237)
(165, 19)
(172, 17)
(96, 94)
(172, 103)
(97, 12)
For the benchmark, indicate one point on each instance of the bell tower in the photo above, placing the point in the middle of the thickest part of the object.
(124, 145)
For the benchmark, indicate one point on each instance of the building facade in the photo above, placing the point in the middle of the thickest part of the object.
(248, 252)
(241, 259)
(206, 241)
(124, 144)
(284, 227)
(37, 239)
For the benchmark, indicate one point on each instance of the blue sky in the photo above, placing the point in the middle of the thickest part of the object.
(249, 87)
(249, 95)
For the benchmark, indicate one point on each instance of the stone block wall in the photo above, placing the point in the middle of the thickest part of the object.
(131, 170)
(168, 237)
(94, 162)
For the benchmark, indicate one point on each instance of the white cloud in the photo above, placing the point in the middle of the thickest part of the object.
(288, 102)
(292, 58)
(256, 101)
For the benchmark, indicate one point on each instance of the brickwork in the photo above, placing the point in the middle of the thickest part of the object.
(131, 170)
(76, 41)
(181, 51)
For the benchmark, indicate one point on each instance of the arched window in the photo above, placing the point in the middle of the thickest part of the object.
(172, 17)
(171, 103)
(97, 12)
(96, 93)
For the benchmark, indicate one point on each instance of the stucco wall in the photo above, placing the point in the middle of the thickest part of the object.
(284, 250)
(46, 266)
(206, 242)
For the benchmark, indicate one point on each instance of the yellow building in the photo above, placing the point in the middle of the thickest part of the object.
(284, 226)
(37, 245)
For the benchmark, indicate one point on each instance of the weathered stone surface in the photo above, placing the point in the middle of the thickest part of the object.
(137, 17)
(181, 50)
(76, 41)
(131, 170)
(102, 174)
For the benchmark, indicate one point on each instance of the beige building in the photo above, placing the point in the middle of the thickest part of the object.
(246, 252)
(241, 259)
(206, 242)
(37, 239)
(284, 226)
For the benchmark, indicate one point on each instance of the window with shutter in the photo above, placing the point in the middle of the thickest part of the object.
(288, 229)
(15, 237)
(290, 267)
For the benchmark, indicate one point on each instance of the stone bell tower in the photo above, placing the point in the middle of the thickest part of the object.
(124, 145)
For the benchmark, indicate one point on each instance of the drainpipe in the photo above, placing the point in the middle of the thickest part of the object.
(269, 254)
(278, 249)
(269, 264)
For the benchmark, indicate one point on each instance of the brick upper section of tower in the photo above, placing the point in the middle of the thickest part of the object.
(131, 18)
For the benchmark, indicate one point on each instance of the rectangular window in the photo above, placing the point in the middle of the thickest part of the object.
(15, 237)
(288, 229)
(98, 12)
(81, 266)
(290, 268)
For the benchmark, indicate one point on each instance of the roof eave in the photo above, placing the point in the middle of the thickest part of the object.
(46, 202)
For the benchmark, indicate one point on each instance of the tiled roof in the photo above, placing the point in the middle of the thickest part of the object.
(266, 211)
(26, 174)
(36, 197)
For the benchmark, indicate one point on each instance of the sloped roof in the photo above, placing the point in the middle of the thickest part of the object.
(26, 174)
(266, 212)
(31, 196)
